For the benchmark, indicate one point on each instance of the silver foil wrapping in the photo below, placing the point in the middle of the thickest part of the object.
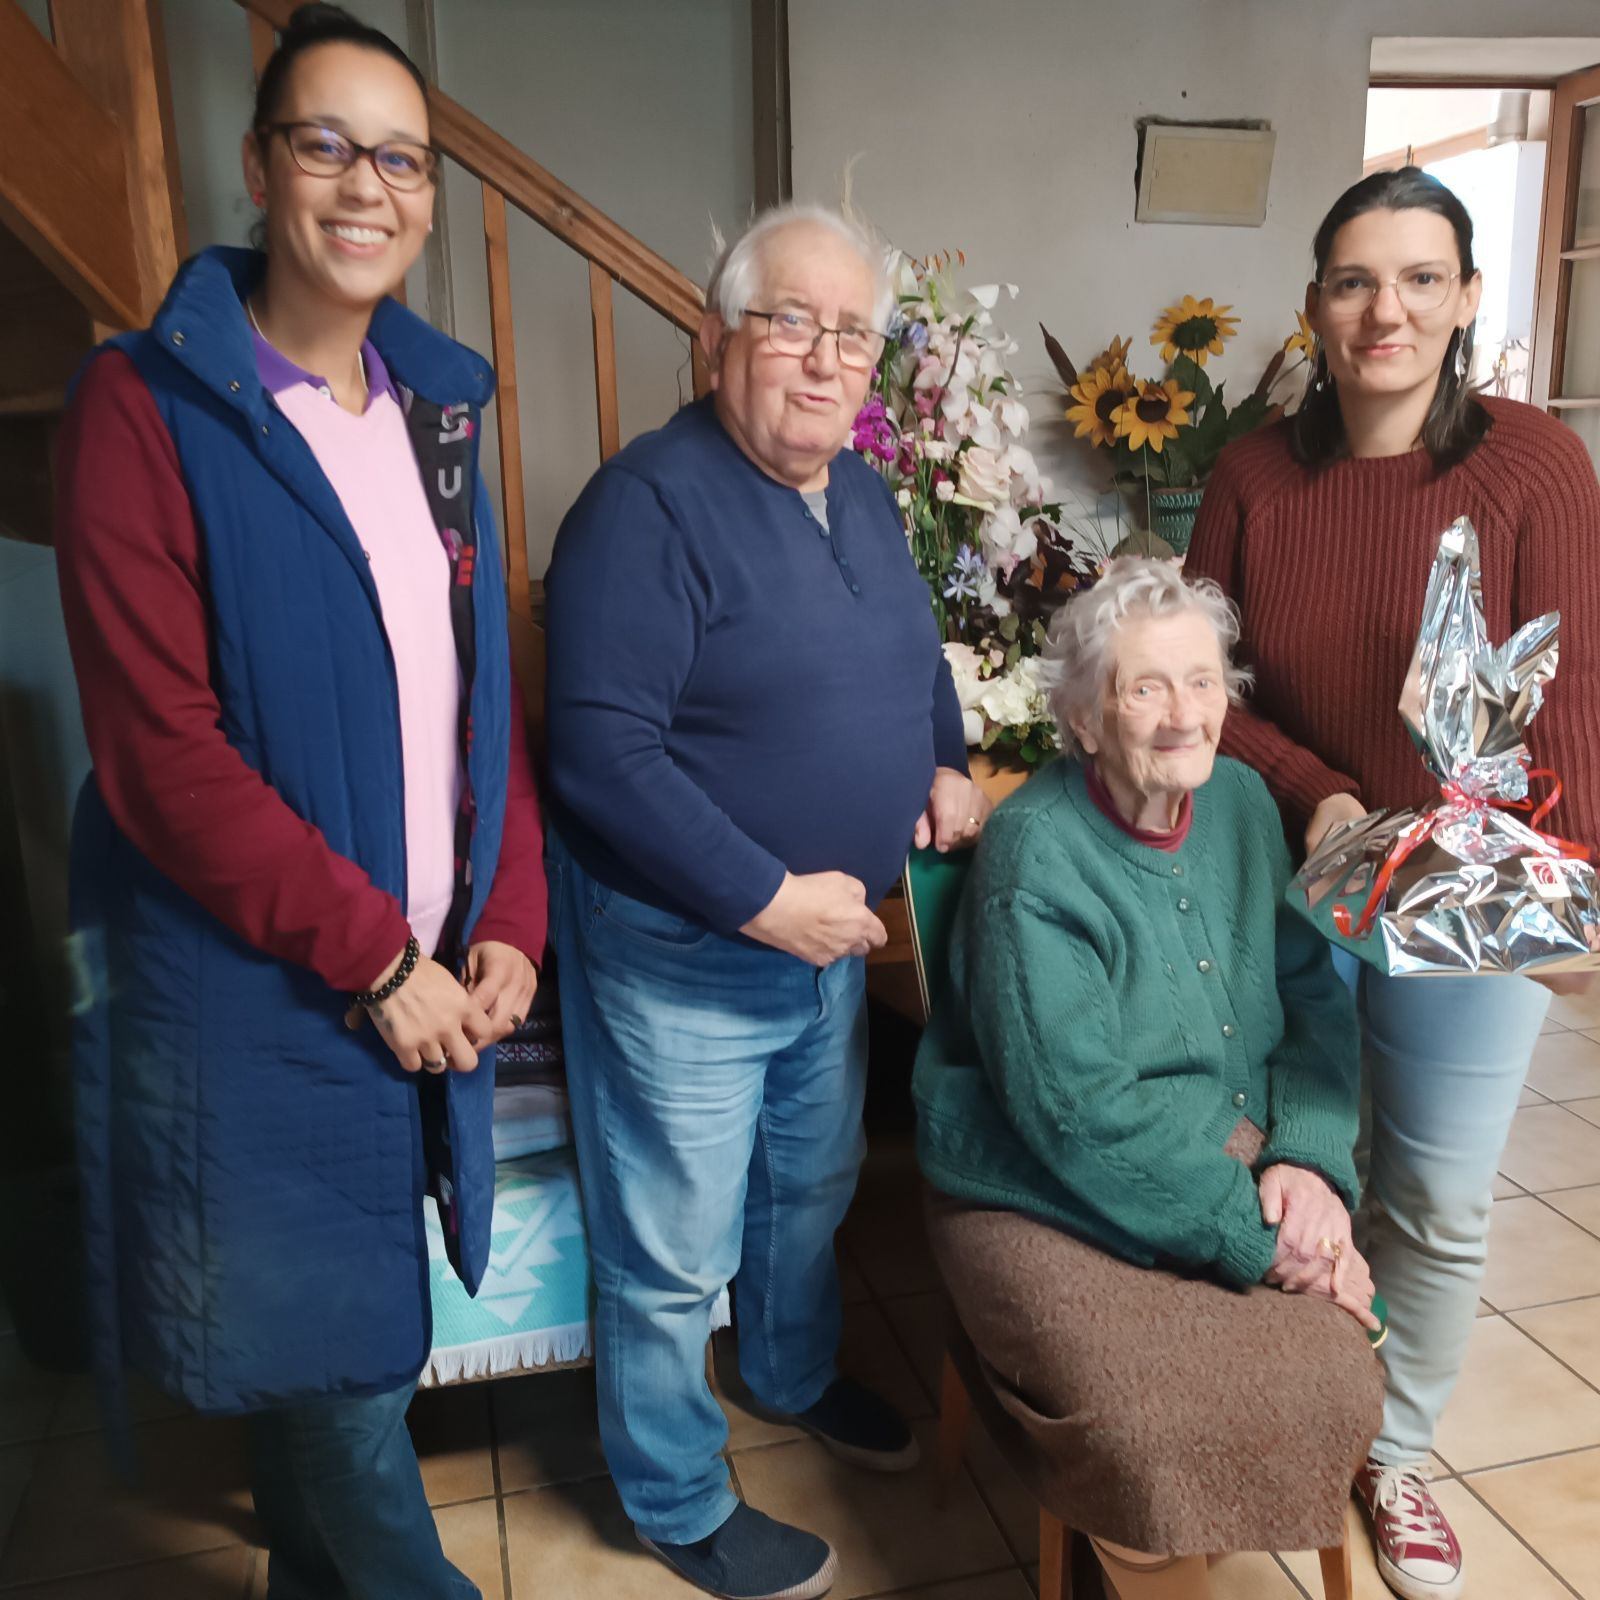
(1469, 883)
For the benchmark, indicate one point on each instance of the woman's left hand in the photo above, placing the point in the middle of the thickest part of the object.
(502, 980)
(956, 812)
(1312, 1224)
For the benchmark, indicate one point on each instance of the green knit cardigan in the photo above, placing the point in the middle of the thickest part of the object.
(1112, 1010)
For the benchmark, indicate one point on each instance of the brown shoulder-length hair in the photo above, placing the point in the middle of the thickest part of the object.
(1457, 420)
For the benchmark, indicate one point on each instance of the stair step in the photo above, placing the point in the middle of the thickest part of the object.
(40, 403)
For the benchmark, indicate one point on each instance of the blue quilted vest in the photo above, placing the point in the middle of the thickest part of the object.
(254, 1171)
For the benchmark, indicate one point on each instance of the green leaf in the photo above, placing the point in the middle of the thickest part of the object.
(1013, 655)
(1191, 375)
(1008, 626)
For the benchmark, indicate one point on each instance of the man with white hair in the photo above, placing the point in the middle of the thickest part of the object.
(750, 719)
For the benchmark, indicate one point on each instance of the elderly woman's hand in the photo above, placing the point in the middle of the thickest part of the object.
(1316, 1253)
(956, 812)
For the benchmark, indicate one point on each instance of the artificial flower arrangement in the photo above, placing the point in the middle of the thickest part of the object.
(945, 425)
(1165, 433)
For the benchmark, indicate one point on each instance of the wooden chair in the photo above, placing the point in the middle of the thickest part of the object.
(933, 885)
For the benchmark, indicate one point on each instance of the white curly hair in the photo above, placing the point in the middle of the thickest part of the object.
(1080, 646)
(736, 272)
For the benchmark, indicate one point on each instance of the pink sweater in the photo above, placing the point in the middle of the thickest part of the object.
(370, 464)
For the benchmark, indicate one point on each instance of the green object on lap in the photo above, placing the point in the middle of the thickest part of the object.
(933, 885)
(1380, 1309)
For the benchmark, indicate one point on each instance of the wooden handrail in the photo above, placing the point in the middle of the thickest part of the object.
(117, 51)
(543, 197)
(514, 529)
(67, 198)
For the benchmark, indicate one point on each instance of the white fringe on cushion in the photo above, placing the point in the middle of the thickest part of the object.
(515, 1352)
(523, 1352)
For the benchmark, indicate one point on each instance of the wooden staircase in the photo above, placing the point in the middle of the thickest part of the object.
(91, 221)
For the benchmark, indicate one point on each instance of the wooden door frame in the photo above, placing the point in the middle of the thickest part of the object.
(1557, 217)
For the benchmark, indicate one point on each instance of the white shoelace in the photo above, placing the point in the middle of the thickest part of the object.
(1403, 1493)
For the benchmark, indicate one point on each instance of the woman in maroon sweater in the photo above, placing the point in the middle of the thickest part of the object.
(1323, 528)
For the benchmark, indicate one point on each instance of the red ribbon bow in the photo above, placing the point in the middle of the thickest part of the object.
(1456, 802)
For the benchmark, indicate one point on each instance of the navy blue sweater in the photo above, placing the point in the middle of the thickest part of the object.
(734, 690)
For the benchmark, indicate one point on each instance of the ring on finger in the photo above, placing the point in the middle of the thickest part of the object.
(436, 1066)
(1335, 1249)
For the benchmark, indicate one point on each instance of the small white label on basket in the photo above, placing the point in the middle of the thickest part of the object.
(1548, 876)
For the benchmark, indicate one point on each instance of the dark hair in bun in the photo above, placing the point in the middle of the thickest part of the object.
(310, 26)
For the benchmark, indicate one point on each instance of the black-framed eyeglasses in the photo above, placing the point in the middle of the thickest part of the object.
(321, 152)
(794, 333)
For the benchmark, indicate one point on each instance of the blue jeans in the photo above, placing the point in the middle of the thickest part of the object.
(1445, 1060)
(341, 1503)
(716, 1093)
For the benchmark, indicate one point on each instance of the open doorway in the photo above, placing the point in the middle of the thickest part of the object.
(1513, 126)
(1489, 145)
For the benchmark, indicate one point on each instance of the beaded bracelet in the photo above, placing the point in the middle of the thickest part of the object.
(408, 965)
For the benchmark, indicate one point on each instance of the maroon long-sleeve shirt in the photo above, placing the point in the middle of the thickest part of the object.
(134, 594)
(1329, 569)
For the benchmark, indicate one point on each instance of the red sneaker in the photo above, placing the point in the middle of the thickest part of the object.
(1418, 1555)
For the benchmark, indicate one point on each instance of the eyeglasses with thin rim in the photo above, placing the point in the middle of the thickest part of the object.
(1420, 288)
(793, 333)
(321, 152)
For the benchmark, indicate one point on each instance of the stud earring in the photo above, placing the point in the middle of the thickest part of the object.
(258, 198)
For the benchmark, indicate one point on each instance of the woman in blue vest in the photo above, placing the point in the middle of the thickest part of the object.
(311, 806)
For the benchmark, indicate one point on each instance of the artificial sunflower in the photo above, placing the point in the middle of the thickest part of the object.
(1098, 394)
(1152, 414)
(1303, 339)
(1193, 328)
(1113, 356)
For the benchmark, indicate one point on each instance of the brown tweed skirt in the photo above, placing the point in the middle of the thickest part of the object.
(1166, 1413)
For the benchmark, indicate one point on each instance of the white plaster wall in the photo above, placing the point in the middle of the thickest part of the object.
(645, 110)
(1007, 129)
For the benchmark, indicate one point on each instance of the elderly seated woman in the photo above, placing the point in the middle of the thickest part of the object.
(1137, 1102)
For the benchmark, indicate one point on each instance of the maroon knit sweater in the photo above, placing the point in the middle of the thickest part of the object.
(1329, 567)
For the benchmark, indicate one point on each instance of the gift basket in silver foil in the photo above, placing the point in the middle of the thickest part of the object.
(1468, 883)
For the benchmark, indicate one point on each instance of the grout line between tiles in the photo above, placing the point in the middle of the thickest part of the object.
(1467, 1485)
(499, 1498)
(1534, 1339)
(1283, 1567)
(1565, 1218)
(970, 1577)
(1463, 1473)
(123, 1566)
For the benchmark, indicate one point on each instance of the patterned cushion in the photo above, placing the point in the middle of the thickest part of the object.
(534, 1305)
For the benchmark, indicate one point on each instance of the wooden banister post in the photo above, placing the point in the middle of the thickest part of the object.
(514, 516)
(605, 361)
(68, 201)
(116, 49)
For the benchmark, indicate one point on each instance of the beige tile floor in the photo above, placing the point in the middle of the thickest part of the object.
(525, 1507)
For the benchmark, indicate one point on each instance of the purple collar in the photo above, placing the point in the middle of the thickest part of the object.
(277, 372)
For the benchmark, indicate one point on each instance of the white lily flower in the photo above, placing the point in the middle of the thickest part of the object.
(988, 294)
